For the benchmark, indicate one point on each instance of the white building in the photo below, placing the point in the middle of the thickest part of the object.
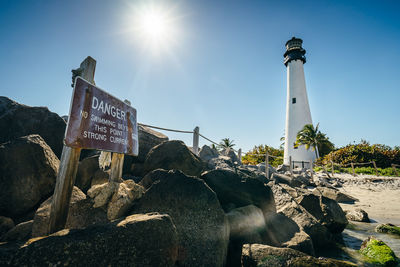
(297, 108)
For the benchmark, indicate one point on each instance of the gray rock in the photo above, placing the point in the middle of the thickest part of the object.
(81, 214)
(28, 173)
(6, 224)
(295, 181)
(228, 152)
(88, 169)
(357, 215)
(334, 194)
(18, 120)
(137, 240)
(21, 231)
(207, 153)
(152, 177)
(201, 224)
(231, 189)
(220, 163)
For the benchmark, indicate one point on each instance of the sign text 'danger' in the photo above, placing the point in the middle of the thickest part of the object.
(97, 120)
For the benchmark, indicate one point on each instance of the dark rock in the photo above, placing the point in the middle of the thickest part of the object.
(295, 181)
(153, 176)
(80, 215)
(21, 231)
(388, 228)
(207, 153)
(88, 169)
(201, 224)
(18, 120)
(231, 189)
(228, 152)
(6, 224)
(138, 240)
(334, 194)
(357, 215)
(28, 173)
(174, 155)
(220, 163)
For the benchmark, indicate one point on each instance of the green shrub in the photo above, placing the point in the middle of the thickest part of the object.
(257, 155)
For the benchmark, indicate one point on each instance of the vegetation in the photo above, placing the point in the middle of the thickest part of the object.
(363, 152)
(312, 137)
(257, 155)
(378, 252)
(388, 228)
(359, 170)
(226, 143)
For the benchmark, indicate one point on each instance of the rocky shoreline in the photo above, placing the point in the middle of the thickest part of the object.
(170, 207)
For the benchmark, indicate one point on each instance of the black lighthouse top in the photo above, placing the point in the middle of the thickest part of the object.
(294, 51)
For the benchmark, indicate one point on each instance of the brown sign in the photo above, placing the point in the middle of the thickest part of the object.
(97, 120)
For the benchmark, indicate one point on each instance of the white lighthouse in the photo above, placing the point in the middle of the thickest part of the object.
(297, 108)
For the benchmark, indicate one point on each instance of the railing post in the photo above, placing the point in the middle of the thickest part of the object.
(68, 167)
(240, 155)
(352, 167)
(311, 170)
(333, 171)
(394, 169)
(290, 166)
(376, 169)
(196, 132)
(266, 165)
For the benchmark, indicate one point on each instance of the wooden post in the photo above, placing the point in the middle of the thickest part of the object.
(68, 168)
(333, 171)
(311, 170)
(290, 166)
(266, 165)
(352, 167)
(394, 169)
(240, 155)
(376, 169)
(196, 132)
(117, 162)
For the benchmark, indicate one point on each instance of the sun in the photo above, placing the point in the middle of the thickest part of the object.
(154, 26)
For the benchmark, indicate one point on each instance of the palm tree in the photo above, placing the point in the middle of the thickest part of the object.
(312, 137)
(226, 143)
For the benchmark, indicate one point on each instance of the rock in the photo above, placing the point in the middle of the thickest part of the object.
(28, 173)
(286, 204)
(17, 120)
(284, 232)
(334, 194)
(137, 240)
(100, 177)
(201, 224)
(295, 181)
(283, 168)
(153, 176)
(231, 189)
(357, 215)
(81, 214)
(267, 256)
(388, 228)
(123, 198)
(6, 224)
(220, 163)
(378, 252)
(229, 152)
(102, 193)
(207, 153)
(87, 169)
(173, 155)
(21, 231)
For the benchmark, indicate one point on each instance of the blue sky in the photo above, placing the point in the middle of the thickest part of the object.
(223, 70)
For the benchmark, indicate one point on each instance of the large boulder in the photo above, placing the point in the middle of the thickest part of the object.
(137, 240)
(21, 231)
(18, 120)
(233, 192)
(378, 252)
(88, 171)
(229, 152)
(201, 224)
(152, 177)
(174, 155)
(6, 224)
(333, 193)
(267, 256)
(357, 215)
(207, 153)
(28, 172)
(81, 214)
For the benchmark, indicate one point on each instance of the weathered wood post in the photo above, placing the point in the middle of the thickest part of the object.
(68, 168)
(291, 166)
(394, 169)
(266, 165)
(333, 171)
(196, 132)
(240, 155)
(352, 167)
(311, 170)
(117, 162)
(376, 169)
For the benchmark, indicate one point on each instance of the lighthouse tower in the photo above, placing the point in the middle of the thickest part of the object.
(297, 108)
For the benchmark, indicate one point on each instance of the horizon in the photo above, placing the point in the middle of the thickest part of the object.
(219, 67)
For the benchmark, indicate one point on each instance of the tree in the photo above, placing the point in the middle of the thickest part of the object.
(311, 137)
(257, 155)
(226, 143)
